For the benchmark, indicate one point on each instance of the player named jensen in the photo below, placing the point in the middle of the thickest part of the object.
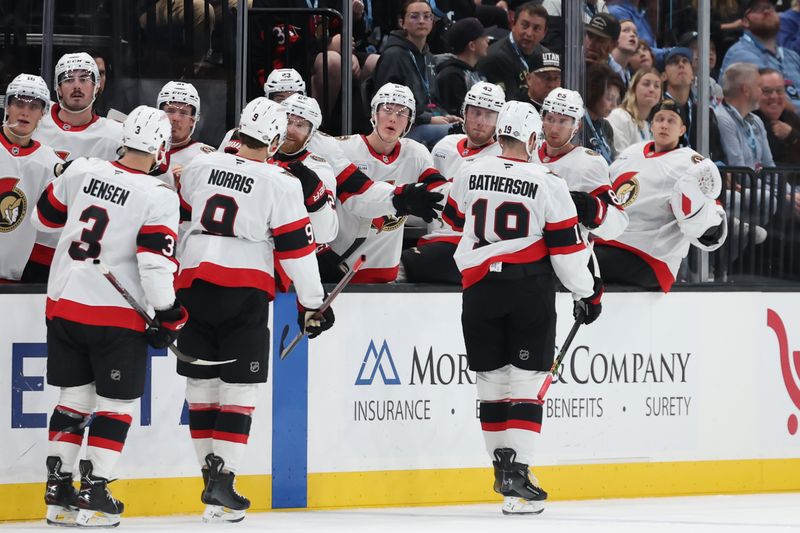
(106, 191)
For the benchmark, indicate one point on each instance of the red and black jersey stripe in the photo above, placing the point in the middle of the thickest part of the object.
(109, 430)
(159, 240)
(233, 423)
(563, 237)
(452, 215)
(317, 200)
(525, 415)
(294, 240)
(431, 178)
(351, 182)
(52, 213)
(606, 195)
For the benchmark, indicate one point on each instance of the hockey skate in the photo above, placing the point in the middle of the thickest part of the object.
(59, 495)
(519, 487)
(97, 508)
(223, 503)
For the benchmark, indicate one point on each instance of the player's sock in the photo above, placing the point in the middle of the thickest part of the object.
(107, 434)
(494, 419)
(68, 423)
(232, 428)
(202, 395)
(523, 428)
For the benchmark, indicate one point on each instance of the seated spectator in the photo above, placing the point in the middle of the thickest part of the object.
(789, 33)
(642, 59)
(600, 38)
(627, 44)
(555, 32)
(677, 79)
(759, 46)
(545, 75)
(507, 63)
(407, 61)
(743, 136)
(689, 40)
(629, 120)
(633, 10)
(456, 74)
(603, 90)
(780, 119)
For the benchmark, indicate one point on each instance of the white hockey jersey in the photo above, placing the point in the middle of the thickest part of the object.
(123, 217)
(645, 182)
(449, 154)
(24, 173)
(245, 214)
(585, 170)
(99, 138)
(513, 211)
(183, 155)
(409, 162)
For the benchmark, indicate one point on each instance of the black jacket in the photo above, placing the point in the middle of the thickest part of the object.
(504, 67)
(403, 63)
(453, 79)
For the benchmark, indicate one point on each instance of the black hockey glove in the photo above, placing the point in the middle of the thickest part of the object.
(590, 305)
(314, 326)
(415, 199)
(712, 235)
(168, 324)
(313, 188)
(591, 210)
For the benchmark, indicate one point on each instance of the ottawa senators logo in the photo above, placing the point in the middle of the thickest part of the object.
(388, 223)
(13, 205)
(626, 188)
(63, 154)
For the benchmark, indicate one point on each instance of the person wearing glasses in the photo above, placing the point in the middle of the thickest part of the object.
(743, 135)
(780, 119)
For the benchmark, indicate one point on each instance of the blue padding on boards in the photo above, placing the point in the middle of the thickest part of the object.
(289, 409)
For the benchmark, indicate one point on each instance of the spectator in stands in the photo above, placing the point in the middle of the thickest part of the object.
(456, 74)
(689, 40)
(635, 11)
(627, 44)
(743, 135)
(726, 21)
(545, 75)
(555, 22)
(781, 121)
(603, 90)
(789, 33)
(678, 78)
(407, 61)
(600, 38)
(629, 120)
(507, 64)
(759, 46)
(643, 58)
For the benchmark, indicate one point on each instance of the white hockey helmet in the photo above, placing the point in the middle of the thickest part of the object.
(282, 80)
(77, 61)
(486, 95)
(263, 120)
(519, 120)
(28, 87)
(564, 102)
(304, 107)
(147, 129)
(392, 93)
(179, 91)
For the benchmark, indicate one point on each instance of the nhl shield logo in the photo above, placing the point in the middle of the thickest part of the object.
(524, 355)
(254, 366)
(116, 375)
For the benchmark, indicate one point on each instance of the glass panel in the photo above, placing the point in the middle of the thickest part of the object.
(21, 50)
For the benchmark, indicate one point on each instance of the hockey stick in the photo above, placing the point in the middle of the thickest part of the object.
(325, 304)
(560, 358)
(149, 321)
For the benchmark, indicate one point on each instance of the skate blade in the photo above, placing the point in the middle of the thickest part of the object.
(61, 516)
(215, 514)
(98, 519)
(521, 506)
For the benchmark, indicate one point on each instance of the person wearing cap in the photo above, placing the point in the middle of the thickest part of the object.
(689, 40)
(669, 192)
(545, 75)
(456, 74)
(678, 77)
(635, 11)
(509, 59)
(743, 135)
(554, 40)
(627, 44)
(759, 45)
(600, 37)
(789, 33)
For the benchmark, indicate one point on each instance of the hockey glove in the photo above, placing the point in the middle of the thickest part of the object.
(60, 168)
(310, 324)
(415, 199)
(313, 188)
(591, 210)
(713, 234)
(168, 323)
(590, 305)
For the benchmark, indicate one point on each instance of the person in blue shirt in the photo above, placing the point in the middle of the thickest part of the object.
(759, 46)
(789, 34)
(630, 10)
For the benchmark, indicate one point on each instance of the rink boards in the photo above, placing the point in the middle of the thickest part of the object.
(689, 393)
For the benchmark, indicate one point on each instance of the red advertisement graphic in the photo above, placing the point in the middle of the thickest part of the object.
(791, 380)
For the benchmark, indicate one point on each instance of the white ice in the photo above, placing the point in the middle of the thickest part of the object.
(756, 513)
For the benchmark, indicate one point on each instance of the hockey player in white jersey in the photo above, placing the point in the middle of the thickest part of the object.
(245, 214)
(519, 227)
(584, 170)
(431, 260)
(669, 192)
(96, 343)
(71, 128)
(181, 102)
(26, 166)
(385, 156)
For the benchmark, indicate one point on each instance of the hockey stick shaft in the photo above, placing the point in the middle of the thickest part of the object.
(147, 319)
(327, 302)
(548, 380)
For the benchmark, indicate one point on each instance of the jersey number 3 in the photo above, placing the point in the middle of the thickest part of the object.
(89, 245)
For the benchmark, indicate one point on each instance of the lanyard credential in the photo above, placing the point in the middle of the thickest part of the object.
(599, 141)
(516, 50)
(425, 83)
